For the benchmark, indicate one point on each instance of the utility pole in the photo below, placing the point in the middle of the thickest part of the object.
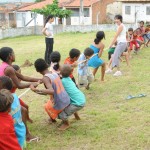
(81, 13)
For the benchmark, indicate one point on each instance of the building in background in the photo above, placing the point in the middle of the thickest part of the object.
(134, 11)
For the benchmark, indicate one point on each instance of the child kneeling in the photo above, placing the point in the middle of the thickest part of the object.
(77, 98)
(85, 76)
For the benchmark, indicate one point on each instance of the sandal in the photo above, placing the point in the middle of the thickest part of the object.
(35, 139)
(141, 95)
(130, 97)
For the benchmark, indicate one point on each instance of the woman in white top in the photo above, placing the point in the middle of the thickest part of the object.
(48, 32)
(120, 38)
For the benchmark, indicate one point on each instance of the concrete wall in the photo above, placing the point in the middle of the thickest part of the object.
(8, 33)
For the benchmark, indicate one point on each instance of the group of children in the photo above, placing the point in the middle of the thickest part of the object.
(65, 97)
(65, 100)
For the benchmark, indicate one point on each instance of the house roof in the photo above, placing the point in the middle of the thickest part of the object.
(62, 3)
(134, 0)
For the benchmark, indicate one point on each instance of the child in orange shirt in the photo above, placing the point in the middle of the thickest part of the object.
(72, 60)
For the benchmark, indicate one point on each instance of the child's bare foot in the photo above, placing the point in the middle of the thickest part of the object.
(64, 126)
(76, 116)
(51, 121)
(30, 138)
(87, 87)
(30, 120)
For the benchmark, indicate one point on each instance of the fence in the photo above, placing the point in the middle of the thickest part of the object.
(14, 32)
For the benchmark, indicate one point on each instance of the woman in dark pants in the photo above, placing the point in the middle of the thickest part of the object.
(49, 39)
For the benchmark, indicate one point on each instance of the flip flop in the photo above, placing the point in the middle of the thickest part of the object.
(36, 139)
(141, 95)
(130, 97)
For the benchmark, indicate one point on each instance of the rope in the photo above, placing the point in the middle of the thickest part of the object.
(24, 93)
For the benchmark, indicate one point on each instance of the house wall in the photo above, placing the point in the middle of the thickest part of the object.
(140, 8)
(24, 17)
(100, 6)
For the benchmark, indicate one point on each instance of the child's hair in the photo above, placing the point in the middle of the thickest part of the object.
(142, 22)
(16, 67)
(130, 29)
(88, 52)
(119, 17)
(6, 99)
(40, 65)
(47, 19)
(99, 36)
(66, 70)
(74, 53)
(5, 52)
(55, 58)
(6, 83)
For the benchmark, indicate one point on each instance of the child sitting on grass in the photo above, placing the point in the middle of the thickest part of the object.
(20, 128)
(22, 103)
(8, 139)
(72, 60)
(59, 99)
(85, 77)
(77, 98)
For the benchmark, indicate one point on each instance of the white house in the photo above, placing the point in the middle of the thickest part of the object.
(134, 11)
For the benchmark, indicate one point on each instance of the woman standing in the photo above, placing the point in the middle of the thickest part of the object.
(120, 38)
(96, 61)
(49, 39)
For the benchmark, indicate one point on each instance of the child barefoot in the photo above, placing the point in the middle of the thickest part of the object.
(76, 96)
(8, 139)
(20, 128)
(85, 77)
(22, 103)
(59, 98)
(73, 57)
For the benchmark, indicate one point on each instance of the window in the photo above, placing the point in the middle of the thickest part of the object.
(2, 16)
(86, 12)
(127, 10)
(11, 16)
(148, 10)
(75, 12)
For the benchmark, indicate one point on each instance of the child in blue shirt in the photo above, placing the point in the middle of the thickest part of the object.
(20, 129)
(85, 77)
(77, 98)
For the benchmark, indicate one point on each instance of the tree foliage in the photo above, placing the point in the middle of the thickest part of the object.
(39, 0)
(54, 10)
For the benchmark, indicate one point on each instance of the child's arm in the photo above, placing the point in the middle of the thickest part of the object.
(26, 78)
(9, 71)
(102, 46)
(49, 90)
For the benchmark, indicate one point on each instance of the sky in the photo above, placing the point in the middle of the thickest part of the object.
(12, 1)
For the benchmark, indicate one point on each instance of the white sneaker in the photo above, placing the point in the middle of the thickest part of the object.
(108, 71)
(117, 73)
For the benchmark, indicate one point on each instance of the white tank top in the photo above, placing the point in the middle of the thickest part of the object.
(122, 35)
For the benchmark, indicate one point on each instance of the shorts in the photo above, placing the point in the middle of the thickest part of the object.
(83, 81)
(68, 111)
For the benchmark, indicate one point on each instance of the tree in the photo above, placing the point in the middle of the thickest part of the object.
(54, 10)
(39, 0)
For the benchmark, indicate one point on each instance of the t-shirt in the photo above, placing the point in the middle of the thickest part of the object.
(18, 123)
(68, 61)
(122, 36)
(76, 96)
(83, 67)
(8, 139)
(49, 29)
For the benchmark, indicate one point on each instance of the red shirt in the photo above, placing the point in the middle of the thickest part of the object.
(69, 61)
(8, 139)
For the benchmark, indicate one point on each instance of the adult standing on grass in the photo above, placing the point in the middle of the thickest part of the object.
(120, 38)
(49, 39)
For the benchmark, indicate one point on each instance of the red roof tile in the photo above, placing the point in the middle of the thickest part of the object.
(62, 3)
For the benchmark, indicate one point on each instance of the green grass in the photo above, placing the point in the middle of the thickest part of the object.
(108, 122)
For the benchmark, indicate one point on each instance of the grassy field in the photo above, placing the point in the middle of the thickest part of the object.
(108, 122)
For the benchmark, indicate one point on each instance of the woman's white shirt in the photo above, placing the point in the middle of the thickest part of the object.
(122, 35)
(49, 29)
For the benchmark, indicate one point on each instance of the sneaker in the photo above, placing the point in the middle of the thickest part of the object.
(117, 73)
(108, 71)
